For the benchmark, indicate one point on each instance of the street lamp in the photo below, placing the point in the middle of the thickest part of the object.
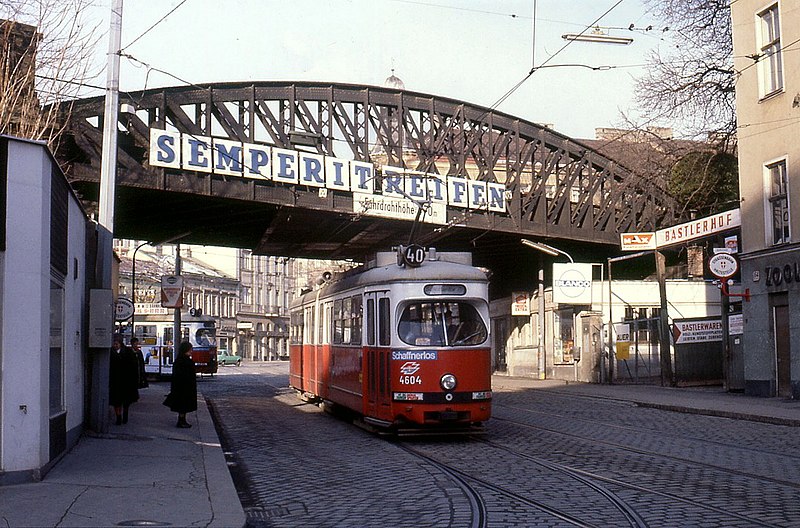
(544, 248)
(133, 272)
(553, 252)
(597, 35)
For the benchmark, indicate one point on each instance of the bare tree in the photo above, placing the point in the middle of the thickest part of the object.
(47, 55)
(694, 81)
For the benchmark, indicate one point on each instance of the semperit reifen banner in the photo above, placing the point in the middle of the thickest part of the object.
(572, 283)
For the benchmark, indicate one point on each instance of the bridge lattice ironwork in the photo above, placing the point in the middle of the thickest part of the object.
(556, 187)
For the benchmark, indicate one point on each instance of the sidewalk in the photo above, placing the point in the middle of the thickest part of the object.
(711, 401)
(144, 473)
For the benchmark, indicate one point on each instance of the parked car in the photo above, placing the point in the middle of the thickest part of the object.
(225, 358)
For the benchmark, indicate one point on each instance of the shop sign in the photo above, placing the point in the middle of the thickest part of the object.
(623, 341)
(520, 303)
(637, 241)
(699, 228)
(696, 331)
(780, 275)
(572, 283)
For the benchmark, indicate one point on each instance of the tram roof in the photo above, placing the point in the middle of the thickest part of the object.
(384, 269)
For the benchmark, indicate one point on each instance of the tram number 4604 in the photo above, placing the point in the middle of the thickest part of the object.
(410, 380)
(412, 255)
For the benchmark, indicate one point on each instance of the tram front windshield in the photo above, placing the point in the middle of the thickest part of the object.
(205, 337)
(441, 324)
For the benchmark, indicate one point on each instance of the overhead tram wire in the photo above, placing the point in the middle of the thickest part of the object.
(160, 20)
(550, 58)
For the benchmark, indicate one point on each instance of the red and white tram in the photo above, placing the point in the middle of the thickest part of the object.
(406, 348)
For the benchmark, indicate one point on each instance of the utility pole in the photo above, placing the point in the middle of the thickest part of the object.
(176, 321)
(98, 416)
(664, 344)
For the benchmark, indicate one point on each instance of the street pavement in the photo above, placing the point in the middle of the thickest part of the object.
(150, 473)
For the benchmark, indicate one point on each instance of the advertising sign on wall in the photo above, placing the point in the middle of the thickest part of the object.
(696, 331)
(623, 333)
(520, 303)
(572, 283)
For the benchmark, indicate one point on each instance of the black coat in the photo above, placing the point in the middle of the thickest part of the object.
(183, 388)
(123, 377)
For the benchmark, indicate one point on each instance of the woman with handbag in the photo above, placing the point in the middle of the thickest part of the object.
(182, 397)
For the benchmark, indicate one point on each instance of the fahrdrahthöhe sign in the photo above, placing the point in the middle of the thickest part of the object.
(699, 228)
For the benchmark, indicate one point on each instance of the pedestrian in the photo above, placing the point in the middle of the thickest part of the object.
(137, 349)
(123, 379)
(182, 397)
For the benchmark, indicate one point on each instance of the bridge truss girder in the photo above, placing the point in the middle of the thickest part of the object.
(557, 188)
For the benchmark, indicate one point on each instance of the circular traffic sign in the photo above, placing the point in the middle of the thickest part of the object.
(723, 265)
(123, 309)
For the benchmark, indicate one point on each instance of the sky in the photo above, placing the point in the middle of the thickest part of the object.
(471, 50)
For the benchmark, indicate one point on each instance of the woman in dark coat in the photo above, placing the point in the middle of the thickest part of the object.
(183, 388)
(123, 379)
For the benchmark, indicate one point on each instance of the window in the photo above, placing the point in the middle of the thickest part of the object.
(56, 364)
(296, 327)
(347, 321)
(384, 327)
(441, 324)
(564, 338)
(778, 202)
(770, 66)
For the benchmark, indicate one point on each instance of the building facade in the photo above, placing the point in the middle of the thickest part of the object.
(767, 62)
(44, 294)
(574, 343)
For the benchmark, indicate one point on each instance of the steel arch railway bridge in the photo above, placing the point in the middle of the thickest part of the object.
(554, 188)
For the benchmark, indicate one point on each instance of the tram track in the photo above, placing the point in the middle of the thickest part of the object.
(644, 490)
(625, 428)
(479, 516)
(585, 476)
(650, 453)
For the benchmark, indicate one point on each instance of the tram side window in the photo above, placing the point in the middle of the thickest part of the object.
(371, 322)
(347, 321)
(384, 322)
(357, 318)
(148, 334)
(296, 334)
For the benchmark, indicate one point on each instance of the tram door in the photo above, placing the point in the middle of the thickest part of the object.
(377, 336)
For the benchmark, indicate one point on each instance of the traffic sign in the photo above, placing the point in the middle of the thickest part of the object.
(723, 265)
(123, 309)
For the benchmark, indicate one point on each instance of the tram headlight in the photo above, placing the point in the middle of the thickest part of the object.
(448, 382)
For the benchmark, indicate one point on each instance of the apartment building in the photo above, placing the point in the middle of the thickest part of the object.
(766, 36)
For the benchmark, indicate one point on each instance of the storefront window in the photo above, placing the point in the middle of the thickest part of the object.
(564, 338)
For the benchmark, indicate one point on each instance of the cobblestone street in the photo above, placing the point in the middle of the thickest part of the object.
(547, 459)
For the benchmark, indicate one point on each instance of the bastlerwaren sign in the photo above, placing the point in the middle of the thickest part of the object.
(248, 160)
